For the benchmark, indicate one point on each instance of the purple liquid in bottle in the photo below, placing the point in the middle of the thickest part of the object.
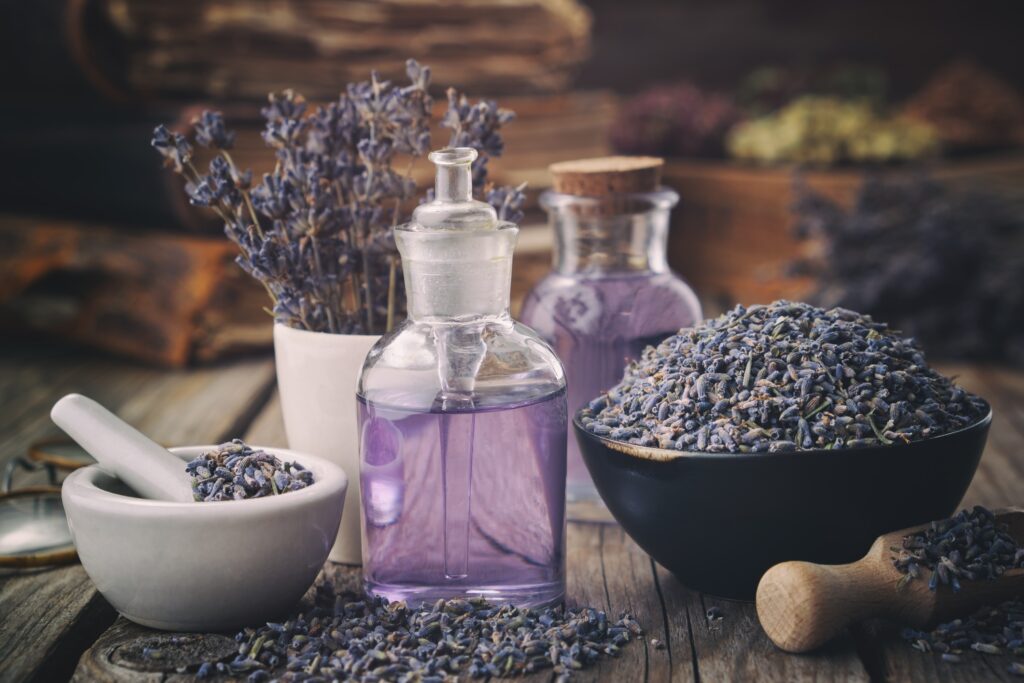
(465, 503)
(609, 296)
(598, 324)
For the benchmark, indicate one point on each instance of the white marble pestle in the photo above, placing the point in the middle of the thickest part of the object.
(120, 449)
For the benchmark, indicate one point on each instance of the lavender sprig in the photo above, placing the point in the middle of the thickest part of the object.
(479, 126)
(317, 230)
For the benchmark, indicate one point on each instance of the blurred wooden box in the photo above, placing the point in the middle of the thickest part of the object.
(732, 236)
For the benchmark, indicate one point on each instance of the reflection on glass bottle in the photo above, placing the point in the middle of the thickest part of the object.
(381, 476)
(463, 419)
(610, 293)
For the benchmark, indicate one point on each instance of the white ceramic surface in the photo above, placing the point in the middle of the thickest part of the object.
(317, 375)
(146, 466)
(204, 566)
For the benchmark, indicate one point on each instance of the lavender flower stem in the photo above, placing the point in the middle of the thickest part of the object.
(369, 287)
(332, 324)
(245, 193)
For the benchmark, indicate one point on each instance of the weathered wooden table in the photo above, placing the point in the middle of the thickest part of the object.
(54, 625)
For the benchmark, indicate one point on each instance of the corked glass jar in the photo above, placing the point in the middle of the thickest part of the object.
(610, 292)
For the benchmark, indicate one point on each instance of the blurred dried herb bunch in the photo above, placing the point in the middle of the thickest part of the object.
(317, 231)
(675, 120)
(943, 266)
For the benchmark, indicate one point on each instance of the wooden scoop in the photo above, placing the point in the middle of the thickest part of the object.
(803, 605)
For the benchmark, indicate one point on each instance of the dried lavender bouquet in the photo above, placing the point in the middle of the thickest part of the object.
(317, 231)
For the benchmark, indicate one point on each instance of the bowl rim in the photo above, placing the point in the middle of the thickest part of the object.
(666, 455)
(331, 480)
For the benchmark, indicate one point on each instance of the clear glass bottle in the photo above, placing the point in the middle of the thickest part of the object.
(609, 295)
(463, 422)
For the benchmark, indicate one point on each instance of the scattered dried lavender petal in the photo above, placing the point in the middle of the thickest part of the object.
(350, 637)
(234, 471)
(781, 377)
(970, 546)
(993, 631)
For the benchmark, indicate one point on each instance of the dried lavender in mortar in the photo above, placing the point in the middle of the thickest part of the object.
(235, 471)
(781, 377)
(344, 637)
(996, 630)
(971, 545)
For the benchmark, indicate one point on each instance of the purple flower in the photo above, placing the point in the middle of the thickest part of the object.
(173, 147)
(317, 231)
(479, 126)
(210, 131)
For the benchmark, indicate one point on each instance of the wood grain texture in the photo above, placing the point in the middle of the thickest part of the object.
(47, 618)
(897, 661)
(116, 655)
(736, 649)
(267, 429)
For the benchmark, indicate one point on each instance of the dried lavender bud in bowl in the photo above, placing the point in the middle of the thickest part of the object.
(781, 377)
(235, 471)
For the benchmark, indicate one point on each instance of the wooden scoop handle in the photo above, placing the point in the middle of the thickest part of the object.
(802, 605)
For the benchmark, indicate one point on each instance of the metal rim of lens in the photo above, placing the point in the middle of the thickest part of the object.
(61, 555)
(40, 452)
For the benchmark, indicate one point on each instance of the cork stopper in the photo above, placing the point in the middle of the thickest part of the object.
(604, 176)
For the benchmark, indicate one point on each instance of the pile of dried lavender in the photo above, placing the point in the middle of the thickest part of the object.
(235, 471)
(781, 377)
(970, 545)
(997, 630)
(344, 637)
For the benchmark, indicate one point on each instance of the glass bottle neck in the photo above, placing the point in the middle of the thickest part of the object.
(454, 183)
(456, 254)
(615, 235)
(457, 276)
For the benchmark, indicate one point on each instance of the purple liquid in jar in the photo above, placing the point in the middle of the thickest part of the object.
(597, 323)
(465, 503)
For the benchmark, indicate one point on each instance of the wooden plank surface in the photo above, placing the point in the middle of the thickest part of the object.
(60, 614)
(48, 617)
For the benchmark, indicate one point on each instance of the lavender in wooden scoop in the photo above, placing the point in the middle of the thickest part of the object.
(967, 562)
(971, 545)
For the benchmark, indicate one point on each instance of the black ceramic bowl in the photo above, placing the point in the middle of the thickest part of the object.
(719, 521)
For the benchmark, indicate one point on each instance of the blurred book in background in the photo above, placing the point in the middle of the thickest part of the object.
(241, 49)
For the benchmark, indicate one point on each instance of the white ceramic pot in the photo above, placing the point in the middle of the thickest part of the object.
(317, 375)
(203, 566)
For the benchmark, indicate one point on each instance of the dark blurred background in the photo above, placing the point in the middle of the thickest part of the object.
(775, 118)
